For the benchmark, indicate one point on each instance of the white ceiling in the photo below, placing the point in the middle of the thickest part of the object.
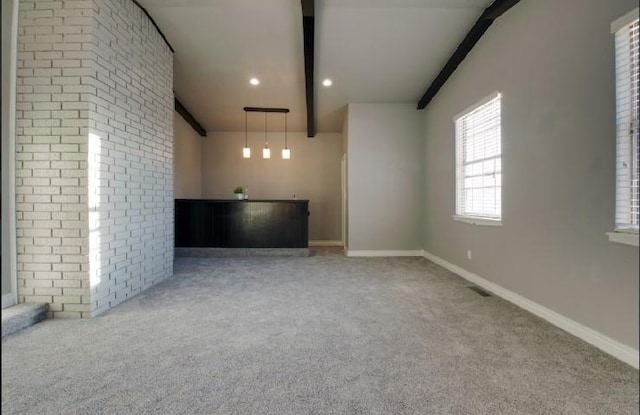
(373, 50)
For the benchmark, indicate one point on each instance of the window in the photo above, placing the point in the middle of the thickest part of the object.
(627, 153)
(479, 163)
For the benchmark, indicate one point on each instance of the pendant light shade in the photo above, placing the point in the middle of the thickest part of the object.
(266, 153)
(286, 152)
(246, 151)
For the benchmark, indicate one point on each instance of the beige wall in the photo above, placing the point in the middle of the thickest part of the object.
(313, 173)
(553, 61)
(187, 169)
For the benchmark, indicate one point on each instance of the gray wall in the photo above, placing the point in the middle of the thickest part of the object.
(385, 149)
(553, 61)
(187, 165)
(313, 173)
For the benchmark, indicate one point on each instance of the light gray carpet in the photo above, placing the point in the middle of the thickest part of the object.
(318, 335)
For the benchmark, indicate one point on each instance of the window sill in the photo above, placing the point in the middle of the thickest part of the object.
(477, 221)
(625, 238)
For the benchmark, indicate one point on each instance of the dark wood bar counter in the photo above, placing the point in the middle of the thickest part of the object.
(202, 223)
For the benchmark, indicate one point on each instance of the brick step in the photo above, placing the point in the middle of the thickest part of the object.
(21, 316)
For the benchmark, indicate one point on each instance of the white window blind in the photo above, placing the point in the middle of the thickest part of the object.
(479, 161)
(627, 96)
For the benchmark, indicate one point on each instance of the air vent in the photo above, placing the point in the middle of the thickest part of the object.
(479, 291)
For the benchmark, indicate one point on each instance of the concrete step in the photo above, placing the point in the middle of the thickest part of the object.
(21, 316)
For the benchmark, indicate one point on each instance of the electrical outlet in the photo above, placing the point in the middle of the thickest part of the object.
(469, 254)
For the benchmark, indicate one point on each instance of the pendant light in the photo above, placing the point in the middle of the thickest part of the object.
(266, 153)
(286, 153)
(246, 151)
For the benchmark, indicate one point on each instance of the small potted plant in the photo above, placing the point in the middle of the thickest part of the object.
(239, 192)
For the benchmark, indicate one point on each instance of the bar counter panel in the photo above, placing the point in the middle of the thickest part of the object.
(202, 223)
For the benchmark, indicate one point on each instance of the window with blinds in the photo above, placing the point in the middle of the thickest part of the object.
(479, 161)
(627, 97)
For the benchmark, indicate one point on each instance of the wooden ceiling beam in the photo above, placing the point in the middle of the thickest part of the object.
(308, 30)
(495, 10)
(186, 115)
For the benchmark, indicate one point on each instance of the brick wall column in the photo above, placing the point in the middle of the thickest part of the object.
(94, 179)
(54, 45)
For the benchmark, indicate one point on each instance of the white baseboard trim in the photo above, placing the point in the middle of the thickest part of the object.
(8, 300)
(371, 253)
(616, 349)
(325, 243)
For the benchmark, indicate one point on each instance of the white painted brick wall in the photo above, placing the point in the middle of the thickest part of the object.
(131, 116)
(51, 162)
(94, 155)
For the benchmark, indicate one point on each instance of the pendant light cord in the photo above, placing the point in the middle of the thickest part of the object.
(245, 129)
(266, 144)
(285, 130)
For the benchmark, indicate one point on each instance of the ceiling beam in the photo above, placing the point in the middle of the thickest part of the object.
(308, 23)
(495, 10)
(180, 109)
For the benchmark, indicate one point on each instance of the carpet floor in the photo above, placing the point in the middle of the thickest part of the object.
(319, 335)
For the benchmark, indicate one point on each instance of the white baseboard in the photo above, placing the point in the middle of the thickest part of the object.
(370, 253)
(325, 243)
(616, 349)
(8, 300)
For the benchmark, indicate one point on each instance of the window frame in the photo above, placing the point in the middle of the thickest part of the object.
(465, 217)
(622, 233)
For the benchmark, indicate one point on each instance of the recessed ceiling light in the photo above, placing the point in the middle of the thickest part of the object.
(327, 82)
(254, 81)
